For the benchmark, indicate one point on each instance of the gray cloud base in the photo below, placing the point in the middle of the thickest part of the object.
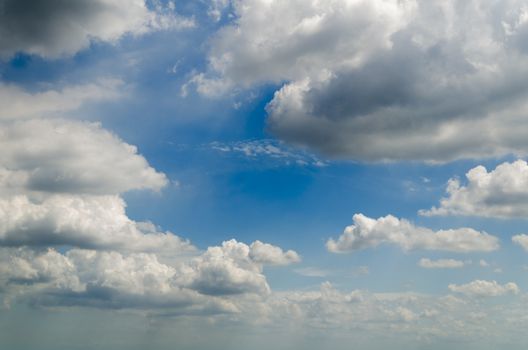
(382, 80)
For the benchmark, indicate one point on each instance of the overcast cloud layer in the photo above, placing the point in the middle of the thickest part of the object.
(382, 80)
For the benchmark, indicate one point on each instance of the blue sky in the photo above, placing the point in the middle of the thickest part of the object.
(299, 174)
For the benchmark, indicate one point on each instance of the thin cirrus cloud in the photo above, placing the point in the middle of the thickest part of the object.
(58, 28)
(382, 80)
(369, 233)
(501, 192)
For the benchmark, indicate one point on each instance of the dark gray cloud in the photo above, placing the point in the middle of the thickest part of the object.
(53, 28)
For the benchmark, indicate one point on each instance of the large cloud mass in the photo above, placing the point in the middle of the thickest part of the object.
(383, 79)
(53, 28)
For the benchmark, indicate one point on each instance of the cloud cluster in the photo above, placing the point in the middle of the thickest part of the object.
(209, 282)
(502, 193)
(65, 236)
(381, 80)
(369, 233)
(481, 288)
(57, 28)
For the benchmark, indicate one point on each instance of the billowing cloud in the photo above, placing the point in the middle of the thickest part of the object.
(382, 80)
(502, 193)
(440, 263)
(118, 279)
(95, 222)
(56, 28)
(369, 233)
(234, 268)
(18, 103)
(64, 156)
(482, 288)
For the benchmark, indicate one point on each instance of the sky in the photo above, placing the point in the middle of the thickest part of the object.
(234, 174)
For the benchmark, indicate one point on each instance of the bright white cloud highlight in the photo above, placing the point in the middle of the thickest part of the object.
(502, 193)
(369, 233)
(482, 288)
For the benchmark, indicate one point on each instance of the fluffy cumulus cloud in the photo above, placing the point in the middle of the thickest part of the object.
(440, 263)
(52, 155)
(62, 27)
(482, 288)
(235, 268)
(118, 279)
(502, 192)
(94, 222)
(384, 79)
(369, 233)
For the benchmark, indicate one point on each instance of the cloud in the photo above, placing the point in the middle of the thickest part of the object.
(235, 268)
(440, 264)
(64, 156)
(381, 80)
(521, 240)
(502, 193)
(268, 254)
(18, 103)
(59, 28)
(119, 279)
(94, 222)
(311, 272)
(370, 233)
(481, 288)
(268, 150)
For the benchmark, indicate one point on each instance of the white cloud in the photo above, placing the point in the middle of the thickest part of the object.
(440, 263)
(52, 155)
(95, 222)
(521, 240)
(502, 193)
(18, 103)
(53, 29)
(483, 263)
(381, 79)
(482, 288)
(234, 268)
(220, 276)
(368, 233)
(268, 254)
